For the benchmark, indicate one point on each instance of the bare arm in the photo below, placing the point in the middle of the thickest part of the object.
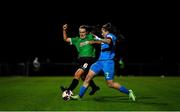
(99, 40)
(67, 39)
(108, 40)
(95, 42)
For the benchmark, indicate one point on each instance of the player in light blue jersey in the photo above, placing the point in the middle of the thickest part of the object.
(105, 63)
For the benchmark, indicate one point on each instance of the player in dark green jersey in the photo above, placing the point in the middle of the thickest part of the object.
(86, 56)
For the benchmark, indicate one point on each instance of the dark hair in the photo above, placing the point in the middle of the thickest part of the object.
(113, 29)
(107, 27)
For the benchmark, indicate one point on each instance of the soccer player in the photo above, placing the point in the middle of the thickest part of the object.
(105, 63)
(86, 56)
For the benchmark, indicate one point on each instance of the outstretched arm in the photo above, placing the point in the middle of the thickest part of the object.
(100, 40)
(107, 40)
(65, 37)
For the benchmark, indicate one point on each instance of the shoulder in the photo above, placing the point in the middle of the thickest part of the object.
(90, 36)
(110, 35)
(75, 38)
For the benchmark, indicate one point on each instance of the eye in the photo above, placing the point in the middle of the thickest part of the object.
(82, 32)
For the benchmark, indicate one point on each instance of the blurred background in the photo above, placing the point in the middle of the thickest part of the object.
(30, 31)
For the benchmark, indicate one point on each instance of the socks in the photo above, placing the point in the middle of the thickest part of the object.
(74, 84)
(123, 90)
(92, 84)
(82, 91)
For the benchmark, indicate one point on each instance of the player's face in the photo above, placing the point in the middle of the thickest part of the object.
(82, 32)
(103, 32)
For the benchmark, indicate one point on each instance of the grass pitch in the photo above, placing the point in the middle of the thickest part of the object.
(43, 94)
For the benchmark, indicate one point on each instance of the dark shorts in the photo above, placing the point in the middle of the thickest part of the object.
(85, 63)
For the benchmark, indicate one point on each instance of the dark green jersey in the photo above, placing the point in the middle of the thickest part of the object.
(83, 47)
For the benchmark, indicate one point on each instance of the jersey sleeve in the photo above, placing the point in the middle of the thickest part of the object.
(109, 36)
(73, 40)
(91, 37)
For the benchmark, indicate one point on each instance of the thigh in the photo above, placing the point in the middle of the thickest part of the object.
(96, 67)
(108, 68)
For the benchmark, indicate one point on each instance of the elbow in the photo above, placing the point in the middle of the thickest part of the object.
(66, 39)
(108, 42)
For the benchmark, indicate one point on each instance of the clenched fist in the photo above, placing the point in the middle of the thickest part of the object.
(65, 26)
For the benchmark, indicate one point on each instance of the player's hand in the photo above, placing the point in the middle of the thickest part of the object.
(90, 42)
(97, 38)
(65, 27)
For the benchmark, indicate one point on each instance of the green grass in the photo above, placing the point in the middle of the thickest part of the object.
(43, 94)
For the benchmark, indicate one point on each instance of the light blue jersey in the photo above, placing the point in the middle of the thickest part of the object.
(105, 62)
(107, 50)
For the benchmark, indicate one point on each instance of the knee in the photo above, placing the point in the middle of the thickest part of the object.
(78, 74)
(76, 77)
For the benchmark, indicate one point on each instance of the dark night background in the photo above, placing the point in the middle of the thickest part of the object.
(29, 30)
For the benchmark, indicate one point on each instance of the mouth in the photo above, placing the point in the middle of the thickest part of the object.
(82, 36)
